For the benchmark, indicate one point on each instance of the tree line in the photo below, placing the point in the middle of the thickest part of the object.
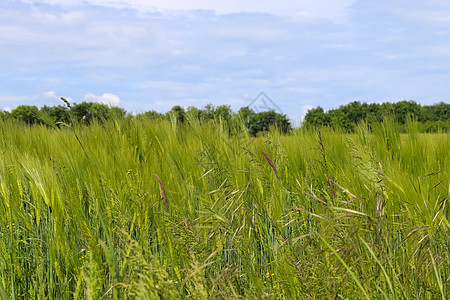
(432, 118)
(88, 112)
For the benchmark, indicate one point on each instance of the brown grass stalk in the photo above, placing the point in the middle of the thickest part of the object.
(163, 192)
(271, 164)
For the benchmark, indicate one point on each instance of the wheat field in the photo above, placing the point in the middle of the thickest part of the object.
(142, 209)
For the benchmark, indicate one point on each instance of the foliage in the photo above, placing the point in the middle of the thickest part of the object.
(435, 118)
(151, 114)
(347, 117)
(5, 114)
(223, 112)
(262, 121)
(177, 114)
(256, 122)
(88, 112)
(26, 113)
(316, 117)
(310, 215)
(59, 114)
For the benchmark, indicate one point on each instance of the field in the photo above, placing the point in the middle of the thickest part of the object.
(154, 210)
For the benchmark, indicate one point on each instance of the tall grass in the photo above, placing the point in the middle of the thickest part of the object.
(312, 215)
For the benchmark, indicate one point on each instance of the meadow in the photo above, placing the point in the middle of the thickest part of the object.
(151, 209)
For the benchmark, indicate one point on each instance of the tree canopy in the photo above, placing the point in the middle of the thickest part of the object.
(432, 118)
(85, 113)
(346, 117)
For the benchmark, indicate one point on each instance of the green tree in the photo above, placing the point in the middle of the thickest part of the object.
(437, 112)
(339, 119)
(58, 114)
(246, 113)
(405, 109)
(193, 113)
(82, 112)
(116, 113)
(316, 117)
(5, 114)
(207, 113)
(178, 113)
(442, 110)
(99, 112)
(86, 112)
(223, 112)
(355, 112)
(373, 113)
(26, 113)
(261, 122)
(152, 114)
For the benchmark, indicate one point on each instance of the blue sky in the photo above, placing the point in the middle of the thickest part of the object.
(151, 55)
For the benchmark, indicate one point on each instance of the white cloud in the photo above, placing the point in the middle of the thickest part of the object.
(51, 95)
(6, 108)
(107, 98)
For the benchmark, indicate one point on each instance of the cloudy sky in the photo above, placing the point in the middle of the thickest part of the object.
(151, 54)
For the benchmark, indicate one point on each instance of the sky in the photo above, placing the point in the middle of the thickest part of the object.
(146, 55)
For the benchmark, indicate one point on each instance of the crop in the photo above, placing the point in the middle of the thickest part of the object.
(152, 209)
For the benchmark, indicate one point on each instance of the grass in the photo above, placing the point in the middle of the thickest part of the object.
(151, 209)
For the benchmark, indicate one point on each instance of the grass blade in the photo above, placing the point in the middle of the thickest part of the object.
(388, 280)
(349, 270)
